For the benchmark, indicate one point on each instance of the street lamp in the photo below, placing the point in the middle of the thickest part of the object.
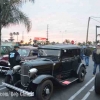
(96, 33)
(62, 34)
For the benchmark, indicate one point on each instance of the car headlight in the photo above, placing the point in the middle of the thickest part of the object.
(32, 72)
(16, 68)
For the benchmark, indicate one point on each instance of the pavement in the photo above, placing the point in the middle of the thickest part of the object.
(74, 91)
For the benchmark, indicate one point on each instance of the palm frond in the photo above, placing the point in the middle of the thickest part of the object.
(11, 14)
(15, 16)
(20, 2)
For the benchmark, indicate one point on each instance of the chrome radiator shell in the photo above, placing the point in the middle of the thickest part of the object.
(24, 75)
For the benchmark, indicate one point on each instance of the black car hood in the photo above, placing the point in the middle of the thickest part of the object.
(37, 62)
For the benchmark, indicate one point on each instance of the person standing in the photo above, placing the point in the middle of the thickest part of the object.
(14, 57)
(87, 53)
(96, 58)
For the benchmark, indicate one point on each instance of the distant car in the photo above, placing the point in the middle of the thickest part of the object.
(26, 53)
(55, 65)
(97, 83)
(5, 49)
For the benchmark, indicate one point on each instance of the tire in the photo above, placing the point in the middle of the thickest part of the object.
(97, 84)
(81, 74)
(41, 90)
(8, 80)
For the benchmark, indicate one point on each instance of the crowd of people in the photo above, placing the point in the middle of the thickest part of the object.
(95, 57)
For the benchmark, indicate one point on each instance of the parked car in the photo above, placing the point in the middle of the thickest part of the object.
(26, 53)
(5, 49)
(97, 83)
(56, 65)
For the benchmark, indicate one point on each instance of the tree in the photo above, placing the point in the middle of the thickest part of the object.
(89, 42)
(79, 43)
(67, 41)
(10, 13)
(83, 43)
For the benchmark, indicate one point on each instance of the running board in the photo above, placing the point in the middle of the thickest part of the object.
(68, 81)
(18, 89)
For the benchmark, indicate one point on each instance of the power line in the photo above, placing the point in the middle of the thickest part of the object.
(95, 20)
(94, 17)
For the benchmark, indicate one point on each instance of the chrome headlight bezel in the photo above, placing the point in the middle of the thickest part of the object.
(32, 72)
(16, 68)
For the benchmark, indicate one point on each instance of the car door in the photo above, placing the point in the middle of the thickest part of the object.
(76, 60)
(66, 62)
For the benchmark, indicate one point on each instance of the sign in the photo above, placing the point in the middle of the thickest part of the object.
(72, 42)
(40, 39)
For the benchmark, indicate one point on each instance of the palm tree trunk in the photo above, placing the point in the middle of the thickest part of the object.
(0, 40)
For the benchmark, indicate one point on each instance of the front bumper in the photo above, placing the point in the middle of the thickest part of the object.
(4, 69)
(30, 94)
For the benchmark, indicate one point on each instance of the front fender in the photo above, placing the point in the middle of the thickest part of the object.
(42, 78)
(81, 65)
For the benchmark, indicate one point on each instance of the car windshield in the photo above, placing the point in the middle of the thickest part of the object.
(4, 50)
(49, 52)
(23, 52)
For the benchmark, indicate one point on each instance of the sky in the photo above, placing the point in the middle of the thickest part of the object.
(67, 19)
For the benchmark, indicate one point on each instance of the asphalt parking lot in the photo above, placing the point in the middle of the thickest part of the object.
(75, 91)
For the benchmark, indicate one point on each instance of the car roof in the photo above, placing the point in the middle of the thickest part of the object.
(60, 46)
(28, 47)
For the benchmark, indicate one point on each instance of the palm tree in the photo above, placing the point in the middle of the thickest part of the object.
(10, 13)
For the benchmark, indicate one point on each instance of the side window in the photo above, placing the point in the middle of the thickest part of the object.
(67, 53)
(76, 52)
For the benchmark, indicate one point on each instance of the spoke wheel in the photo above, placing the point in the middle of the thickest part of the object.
(44, 90)
(81, 74)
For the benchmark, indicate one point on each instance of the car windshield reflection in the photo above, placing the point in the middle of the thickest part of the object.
(23, 52)
(49, 52)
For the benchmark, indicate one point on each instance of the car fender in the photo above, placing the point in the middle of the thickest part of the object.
(81, 65)
(42, 78)
(4, 61)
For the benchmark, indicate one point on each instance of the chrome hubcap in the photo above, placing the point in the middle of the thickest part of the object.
(47, 91)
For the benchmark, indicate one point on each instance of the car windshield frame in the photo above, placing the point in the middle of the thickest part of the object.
(24, 54)
(58, 54)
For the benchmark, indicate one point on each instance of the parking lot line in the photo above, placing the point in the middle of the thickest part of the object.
(88, 93)
(79, 91)
(3, 88)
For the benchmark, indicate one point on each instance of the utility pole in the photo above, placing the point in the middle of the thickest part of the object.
(97, 34)
(87, 30)
(47, 32)
(23, 36)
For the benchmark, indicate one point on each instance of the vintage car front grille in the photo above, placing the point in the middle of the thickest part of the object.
(24, 76)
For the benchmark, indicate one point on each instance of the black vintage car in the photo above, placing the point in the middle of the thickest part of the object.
(56, 65)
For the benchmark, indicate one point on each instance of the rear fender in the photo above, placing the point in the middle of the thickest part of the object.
(42, 78)
(81, 65)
